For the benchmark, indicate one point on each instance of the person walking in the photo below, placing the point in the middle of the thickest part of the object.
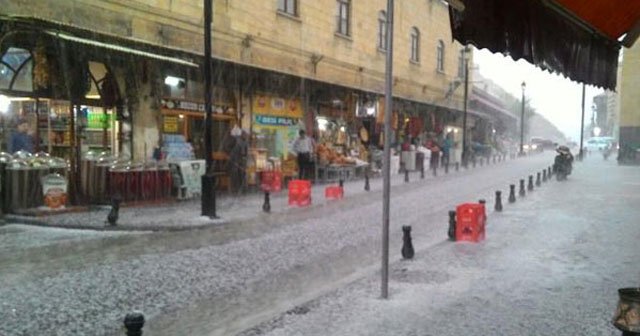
(303, 147)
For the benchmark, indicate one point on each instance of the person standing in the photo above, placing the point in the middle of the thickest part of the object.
(21, 139)
(303, 148)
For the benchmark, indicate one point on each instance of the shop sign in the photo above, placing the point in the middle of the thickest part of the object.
(182, 105)
(99, 120)
(275, 121)
(275, 106)
(170, 124)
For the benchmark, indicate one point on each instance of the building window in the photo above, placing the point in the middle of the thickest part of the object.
(16, 70)
(415, 44)
(461, 56)
(344, 13)
(288, 6)
(382, 30)
(440, 56)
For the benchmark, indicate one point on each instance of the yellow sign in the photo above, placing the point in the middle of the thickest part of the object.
(170, 124)
(275, 106)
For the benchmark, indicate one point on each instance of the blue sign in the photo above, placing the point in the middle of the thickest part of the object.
(275, 121)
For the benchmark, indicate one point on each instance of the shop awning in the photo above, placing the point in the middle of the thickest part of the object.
(120, 48)
(576, 38)
(492, 106)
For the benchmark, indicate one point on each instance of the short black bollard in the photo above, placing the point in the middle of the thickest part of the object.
(434, 170)
(366, 181)
(521, 192)
(498, 206)
(481, 162)
(512, 193)
(473, 163)
(266, 206)
(549, 171)
(446, 168)
(112, 218)
(544, 175)
(422, 171)
(406, 176)
(538, 181)
(341, 183)
(133, 323)
(494, 159)
(457, 166)
(407, 246)
(452, 225)
(530, 185)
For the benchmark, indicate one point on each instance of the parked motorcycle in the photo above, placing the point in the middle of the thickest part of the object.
(563, 163)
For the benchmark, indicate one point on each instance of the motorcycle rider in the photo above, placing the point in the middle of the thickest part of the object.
(563, 162)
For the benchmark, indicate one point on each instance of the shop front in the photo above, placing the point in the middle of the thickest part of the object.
(275, 122)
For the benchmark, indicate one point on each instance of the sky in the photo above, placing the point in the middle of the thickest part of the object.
(556, 98)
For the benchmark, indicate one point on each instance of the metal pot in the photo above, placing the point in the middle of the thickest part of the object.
(86, 169)
(17, 175)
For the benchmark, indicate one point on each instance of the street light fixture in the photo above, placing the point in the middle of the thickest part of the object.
(524, 86)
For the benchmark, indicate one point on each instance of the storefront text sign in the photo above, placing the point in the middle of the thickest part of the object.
(275, 106)
(170, 124)
(275, 121)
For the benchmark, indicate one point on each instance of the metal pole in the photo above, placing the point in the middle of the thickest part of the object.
(522, 124)
(208, 196)
(581, 154)
(464, 116)
(386, 169)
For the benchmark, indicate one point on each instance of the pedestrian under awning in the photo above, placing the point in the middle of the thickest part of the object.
(578, 39)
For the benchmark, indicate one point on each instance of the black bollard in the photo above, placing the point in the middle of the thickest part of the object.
(521, 192)
(366, 181)
(341, 183)
(112, 218)
(435, 170)
(473, 163)
(549, 171)
(446, 168)
(422, 171)
(498, 206)
(530, 185)
(457, 166)
(538, 181)
(544, 175)
(481, 162)
(406, 176)
(266, 206)
(452, 225)
(407, 246)
(133, 323)
(494, 159)
(512, 193)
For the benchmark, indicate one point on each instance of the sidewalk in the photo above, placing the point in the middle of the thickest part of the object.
(551, 265)
(185, 215)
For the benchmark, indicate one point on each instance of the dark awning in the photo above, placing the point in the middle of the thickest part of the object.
(575, 38)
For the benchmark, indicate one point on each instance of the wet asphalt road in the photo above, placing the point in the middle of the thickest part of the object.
(224, 279)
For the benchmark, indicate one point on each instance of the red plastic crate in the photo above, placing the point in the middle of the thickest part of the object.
(271, 181)
(470, 222)
(333, 192)
(299, 192)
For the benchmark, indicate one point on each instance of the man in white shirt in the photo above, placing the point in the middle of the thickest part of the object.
(303, 146)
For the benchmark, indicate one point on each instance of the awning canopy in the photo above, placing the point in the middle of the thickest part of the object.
(576, 38)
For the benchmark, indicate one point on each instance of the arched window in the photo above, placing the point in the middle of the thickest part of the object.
(440, 56)
(382, 30)
(16, 70)
(344, 16)
(415, 44)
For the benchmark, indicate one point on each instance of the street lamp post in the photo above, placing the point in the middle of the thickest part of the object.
(208, 195)
(466, 50)
(523, 85)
